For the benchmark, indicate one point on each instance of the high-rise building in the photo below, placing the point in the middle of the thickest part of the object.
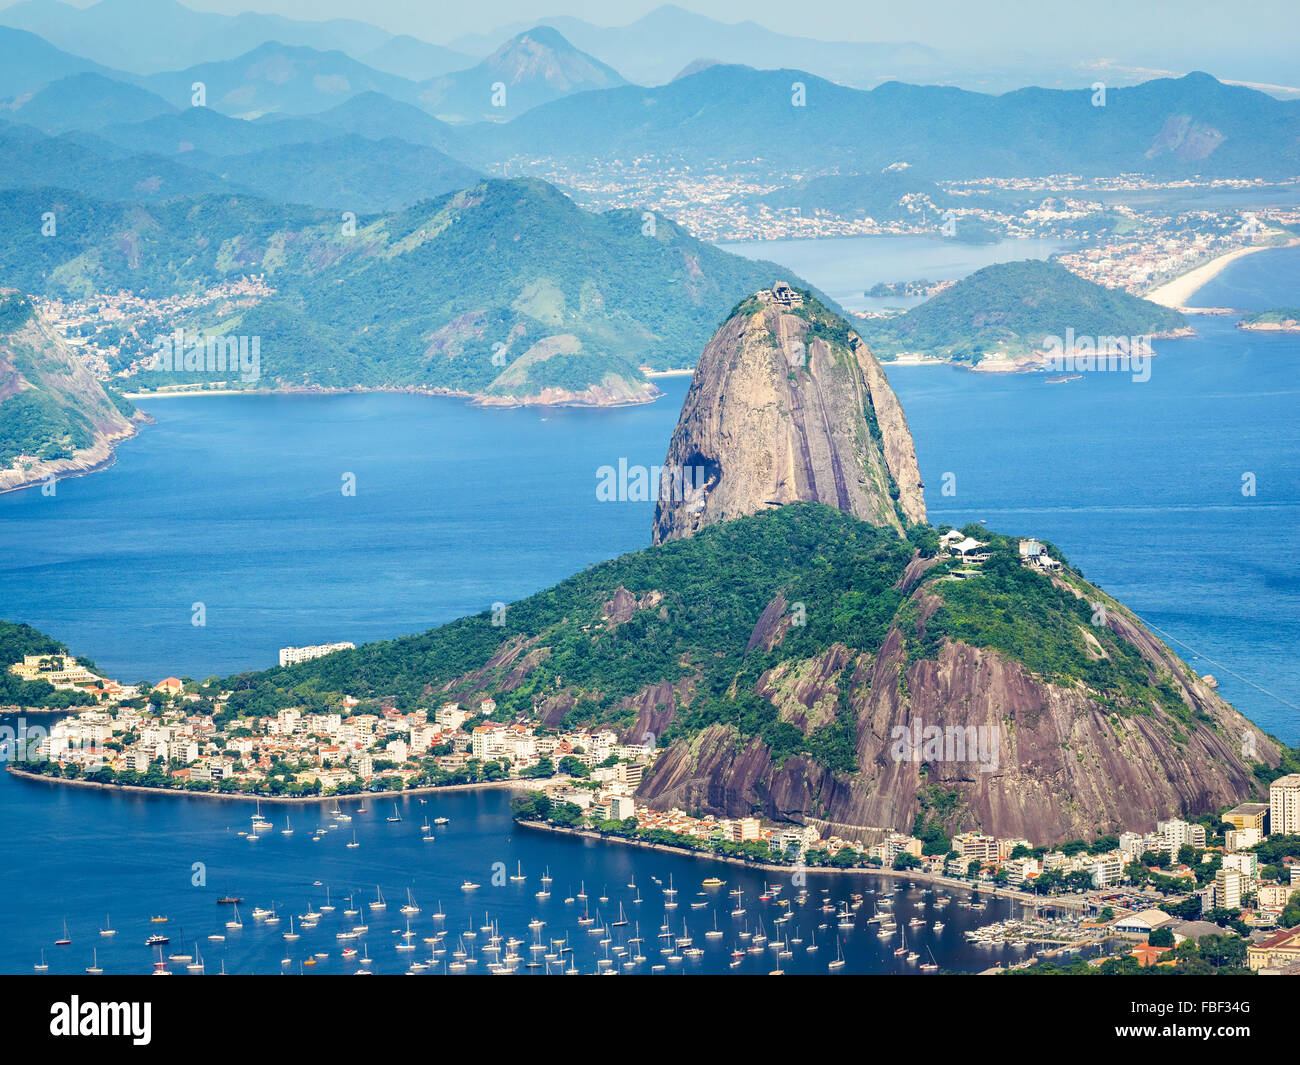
(1284, 806)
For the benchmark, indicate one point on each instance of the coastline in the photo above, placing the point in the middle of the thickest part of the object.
(898, 874)
(1177, 292)
(486, 785)
(546, 398)
(100, 456)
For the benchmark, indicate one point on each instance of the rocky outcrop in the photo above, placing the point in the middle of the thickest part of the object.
(1043, 761)
(787, 404)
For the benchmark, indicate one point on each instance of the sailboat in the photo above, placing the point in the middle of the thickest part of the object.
(288, 827)
(622, 917)
(290, 935)
(93, 968)
(379, 903)
(410, 906)
(66, 937)
(235, 922)
(930, 966)
(715, 932)
(396, 816)
(196, 966)
(329, 906)
(838, 961)
(519, 873)
(427, 829)
(42, 966)
(108, 929)
(354, 842)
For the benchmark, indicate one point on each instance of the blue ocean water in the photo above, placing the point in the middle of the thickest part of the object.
(237, 503)
(91, 858)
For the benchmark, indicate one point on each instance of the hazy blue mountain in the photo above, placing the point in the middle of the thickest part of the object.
(1172, 126)
(654, 48)
(209, 132)
(83, 163)
(83, 101)
(201, 129)
(148, 36)
(409, 57)
(27, 63)
(536, 66)
(279, 78)
(379, 117)
(347, 173)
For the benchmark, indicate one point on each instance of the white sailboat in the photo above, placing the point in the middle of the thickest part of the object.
(837, 962)
(108, 929)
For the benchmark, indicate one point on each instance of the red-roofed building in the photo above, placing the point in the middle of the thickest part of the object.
(1147, 955)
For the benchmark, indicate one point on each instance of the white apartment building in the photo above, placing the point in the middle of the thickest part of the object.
(1227, 889)
(291, 656)
(1284, 806)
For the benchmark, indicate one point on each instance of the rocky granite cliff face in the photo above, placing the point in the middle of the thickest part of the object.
(1044, 760)
(788, 405)
(56, 420)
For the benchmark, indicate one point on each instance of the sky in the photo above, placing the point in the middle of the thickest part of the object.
(1092, 28)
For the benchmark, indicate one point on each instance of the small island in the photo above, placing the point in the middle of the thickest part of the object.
(1278, 320)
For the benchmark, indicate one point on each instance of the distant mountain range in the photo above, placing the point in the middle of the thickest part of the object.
(317, 161)
(149, 36)
(654, 48)
(782, 119)
(279, 79)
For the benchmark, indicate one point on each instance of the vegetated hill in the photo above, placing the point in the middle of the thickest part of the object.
(210, 133)
(83, 102)
(82, 163)
(776, 657)
(348, 173)
(1278, 319)
(16, 641)
(788, 404)
(277, 78)
(1012, 307)
(506, 290)
(1175, 126)
(55, 417)
(534, 67)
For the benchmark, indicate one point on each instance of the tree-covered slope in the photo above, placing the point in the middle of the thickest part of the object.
(53, 412)
(775, 658)
(1012, 307)
(503, 290)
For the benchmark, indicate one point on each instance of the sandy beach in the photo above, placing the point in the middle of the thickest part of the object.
(1177, 292)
